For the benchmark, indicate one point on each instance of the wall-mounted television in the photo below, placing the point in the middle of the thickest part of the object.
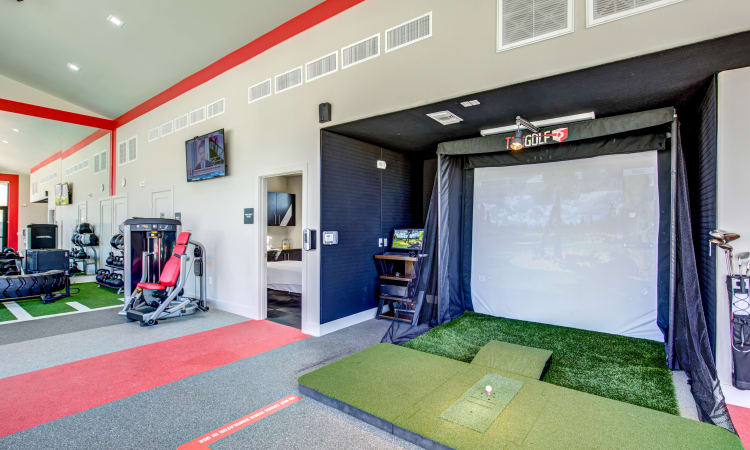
(63, 194)
(206, 157)
(407, 239)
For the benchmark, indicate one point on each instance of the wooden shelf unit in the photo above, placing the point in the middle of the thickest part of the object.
(399, 277)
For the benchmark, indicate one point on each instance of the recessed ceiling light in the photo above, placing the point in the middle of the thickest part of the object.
(16, 130)
(114, 20)
(73, 68)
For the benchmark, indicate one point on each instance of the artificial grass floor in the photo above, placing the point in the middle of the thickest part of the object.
(5, 315)
(411, 389)
(90, 295)
(618, 367)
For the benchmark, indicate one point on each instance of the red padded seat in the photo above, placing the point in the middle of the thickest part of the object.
(171, 272)
(152, 286)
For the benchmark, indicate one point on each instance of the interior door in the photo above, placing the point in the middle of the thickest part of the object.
(3, 227)
(106, 227)
(162, 204)
(119, 213)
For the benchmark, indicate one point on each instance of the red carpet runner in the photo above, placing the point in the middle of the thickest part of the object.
(34, 398)
(741, 419)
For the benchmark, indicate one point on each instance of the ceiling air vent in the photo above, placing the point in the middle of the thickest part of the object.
(602, 11)
(181, 122)
(522, 22)
(360, 51)
(408, 33)
(198, 115)
(288, 80)
(153, 134)
(166, 128)
(259, 91)
(215, 109)
(445, 117)
(322, 67)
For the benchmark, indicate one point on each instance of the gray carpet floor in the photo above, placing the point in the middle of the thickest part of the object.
(178, 412)
(53, 326)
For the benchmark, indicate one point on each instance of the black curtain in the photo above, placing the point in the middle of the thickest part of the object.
(691, 342)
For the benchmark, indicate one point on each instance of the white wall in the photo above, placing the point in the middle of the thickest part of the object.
(28, 212)
(733, 161)
(280, 134)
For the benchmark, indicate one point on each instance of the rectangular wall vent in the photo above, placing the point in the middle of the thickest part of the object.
(181, 122)
(77, 167)
(361, 51)
(215, 109)
(445, 117)
(132, 149)
(259, 91)
(122, 153)
(322, 67)
(198, 115)
(166, 129)
(153, 134)
(48, 178)
(522, 22)
(408, 33)
(603, 11)
(100, 162)
(289, 80)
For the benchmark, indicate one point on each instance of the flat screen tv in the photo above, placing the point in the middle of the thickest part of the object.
(206, 157)
(63, 194)
(407, 239)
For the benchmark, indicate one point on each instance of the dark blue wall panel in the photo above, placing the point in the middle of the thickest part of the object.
(363, 204)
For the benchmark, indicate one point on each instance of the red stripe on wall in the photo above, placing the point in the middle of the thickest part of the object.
(55, 114)
(283, 32)
(85, 142)
(48, 160)
(12, 208)
(34, 398)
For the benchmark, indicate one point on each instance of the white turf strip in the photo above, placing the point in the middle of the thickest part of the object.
(17, 311)
(78, 307)
(27, 316)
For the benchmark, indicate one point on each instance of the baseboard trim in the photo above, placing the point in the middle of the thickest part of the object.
(233, 308)
(344, 322)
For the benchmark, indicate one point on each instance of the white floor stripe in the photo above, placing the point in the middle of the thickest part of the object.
(17, 311)
(78, 306)
(10, 322)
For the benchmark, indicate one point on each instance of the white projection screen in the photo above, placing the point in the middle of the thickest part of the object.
(571, 243)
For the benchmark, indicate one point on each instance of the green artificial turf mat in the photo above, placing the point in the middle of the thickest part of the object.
(93, 296)
(617, 367)
(478, 408)
(5, 315)
(36, 308)
(518, 359)
(412, 389)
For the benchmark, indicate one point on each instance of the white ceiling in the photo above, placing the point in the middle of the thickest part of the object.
(36, 140)
(161, 43)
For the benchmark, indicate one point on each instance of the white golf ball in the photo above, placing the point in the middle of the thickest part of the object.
(488, 388)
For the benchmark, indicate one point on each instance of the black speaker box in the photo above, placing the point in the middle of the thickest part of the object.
(324, 112)
(41, 235)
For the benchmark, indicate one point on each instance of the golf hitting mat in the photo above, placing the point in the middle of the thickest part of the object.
(406, 392)
(483, 402)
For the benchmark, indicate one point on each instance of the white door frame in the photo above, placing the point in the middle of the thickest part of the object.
(309, 304)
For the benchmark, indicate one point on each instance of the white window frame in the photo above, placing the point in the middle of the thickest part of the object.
(591, 22)
(224, 100)
(385, 45)
(501, 48)
(125, 142)
(307, 75)
(380, 44)
(137, 150)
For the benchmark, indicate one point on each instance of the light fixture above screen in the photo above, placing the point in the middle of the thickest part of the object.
(541, 123)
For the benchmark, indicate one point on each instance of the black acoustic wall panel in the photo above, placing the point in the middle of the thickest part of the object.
(362, 203)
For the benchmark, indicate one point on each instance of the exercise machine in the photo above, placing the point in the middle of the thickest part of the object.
(159, 298)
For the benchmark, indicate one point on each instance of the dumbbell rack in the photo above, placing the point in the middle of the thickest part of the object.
(87, 261)
(115, 269)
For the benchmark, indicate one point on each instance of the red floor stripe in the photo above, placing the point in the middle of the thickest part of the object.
(45, 395)
(202, 442)
(741, 420)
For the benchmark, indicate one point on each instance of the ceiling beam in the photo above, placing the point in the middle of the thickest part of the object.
(59, 115)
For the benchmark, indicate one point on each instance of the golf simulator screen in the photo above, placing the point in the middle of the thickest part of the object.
(571, 243)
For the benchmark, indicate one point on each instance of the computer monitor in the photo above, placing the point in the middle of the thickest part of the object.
(409, 239)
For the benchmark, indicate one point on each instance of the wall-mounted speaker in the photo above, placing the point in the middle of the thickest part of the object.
(324, 112)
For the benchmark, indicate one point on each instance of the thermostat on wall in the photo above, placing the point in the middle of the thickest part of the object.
(330, 237)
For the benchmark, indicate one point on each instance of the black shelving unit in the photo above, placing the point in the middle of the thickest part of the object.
(114, 269)
(399, 276)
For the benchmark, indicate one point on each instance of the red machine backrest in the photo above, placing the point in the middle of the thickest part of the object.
(171, 271)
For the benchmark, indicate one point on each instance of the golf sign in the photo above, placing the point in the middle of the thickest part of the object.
(543, 138)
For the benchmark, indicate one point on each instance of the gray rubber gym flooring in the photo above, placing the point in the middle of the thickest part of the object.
(34, 329)
(178, 412)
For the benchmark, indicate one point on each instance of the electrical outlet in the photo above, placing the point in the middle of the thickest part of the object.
(380, 242)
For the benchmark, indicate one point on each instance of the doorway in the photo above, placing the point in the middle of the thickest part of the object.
(282, 248)
(3, 215)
